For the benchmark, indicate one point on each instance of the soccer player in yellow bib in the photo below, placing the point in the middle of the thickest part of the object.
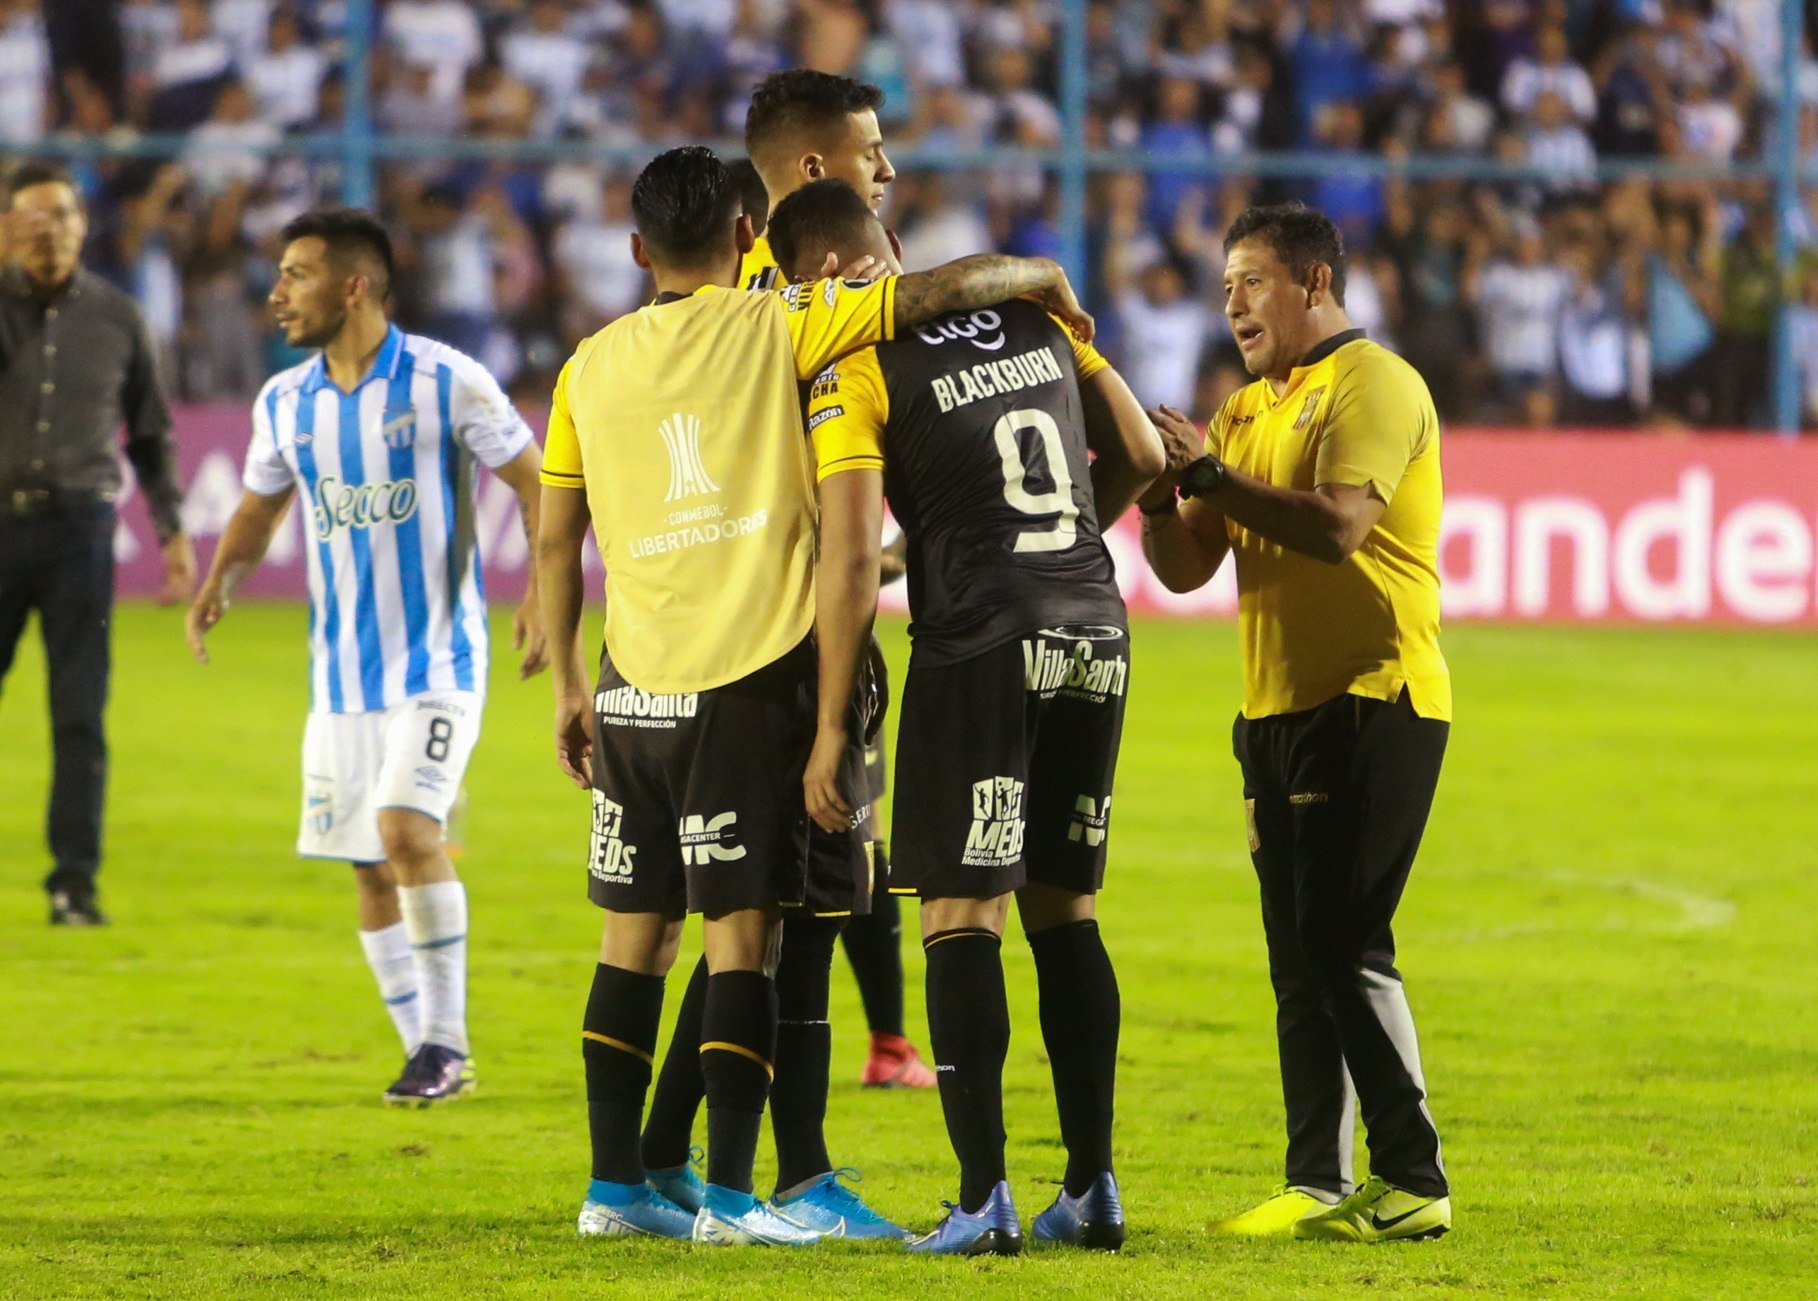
(712, 714)
(802, 126)
(1322, 478)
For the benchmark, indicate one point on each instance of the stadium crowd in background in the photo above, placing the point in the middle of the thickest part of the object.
(1524, 302)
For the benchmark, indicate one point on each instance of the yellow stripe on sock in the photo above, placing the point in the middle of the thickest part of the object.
(956, 933)
(621, 1045)
(742, 1051)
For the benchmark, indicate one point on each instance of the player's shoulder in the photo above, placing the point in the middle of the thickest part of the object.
(428, 356)
(861, 364)
(286, 382)
(1366, 359)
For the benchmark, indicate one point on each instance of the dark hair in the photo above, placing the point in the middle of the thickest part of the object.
(751, 192)
(1300, 237)
(349, 234)
(39, 171)
(823, 215)
(684, 204)
(789, 104)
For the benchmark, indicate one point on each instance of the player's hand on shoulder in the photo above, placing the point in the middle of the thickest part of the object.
(574, 737)
(1059, 301)
(860, 268)
(821, 783)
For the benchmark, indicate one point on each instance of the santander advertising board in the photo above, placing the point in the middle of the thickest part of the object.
(1557, 526)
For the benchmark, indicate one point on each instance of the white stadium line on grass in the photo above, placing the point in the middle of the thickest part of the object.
(1696, 912)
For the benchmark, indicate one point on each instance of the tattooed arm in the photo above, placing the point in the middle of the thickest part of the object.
(983, 280)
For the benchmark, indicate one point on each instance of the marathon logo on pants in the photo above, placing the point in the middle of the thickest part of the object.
(609, 857)
(1091, 820)
(996, 836)
(705, 840)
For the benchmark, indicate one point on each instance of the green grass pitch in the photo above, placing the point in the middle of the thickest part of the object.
(1608, 942)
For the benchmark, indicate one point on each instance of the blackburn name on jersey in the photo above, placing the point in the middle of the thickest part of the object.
(385, 474)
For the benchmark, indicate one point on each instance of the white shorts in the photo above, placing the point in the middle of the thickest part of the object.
(411, 756)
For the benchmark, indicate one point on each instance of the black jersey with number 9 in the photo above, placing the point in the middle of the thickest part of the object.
(977, 423)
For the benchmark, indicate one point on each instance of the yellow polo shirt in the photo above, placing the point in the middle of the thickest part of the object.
(1353, 413)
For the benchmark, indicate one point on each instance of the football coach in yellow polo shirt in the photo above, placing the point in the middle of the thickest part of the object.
(1322, 478)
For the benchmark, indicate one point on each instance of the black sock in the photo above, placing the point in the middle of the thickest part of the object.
(969, 1033)
(669, 1129)
(618, 1043)
(804, 1045)
(738, 1047)
(874, 947)
(1080, 1014)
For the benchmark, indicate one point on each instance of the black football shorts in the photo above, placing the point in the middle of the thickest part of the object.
(1004, 766)
(697, 799)
(843, 868)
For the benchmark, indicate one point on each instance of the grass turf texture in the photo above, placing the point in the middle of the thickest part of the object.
(1607, 943)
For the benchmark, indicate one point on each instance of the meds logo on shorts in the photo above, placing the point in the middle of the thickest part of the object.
(996, 836)
(705, 840)
(1091, 820)
(608, 856)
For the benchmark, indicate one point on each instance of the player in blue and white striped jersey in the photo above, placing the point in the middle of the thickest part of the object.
(379, 433)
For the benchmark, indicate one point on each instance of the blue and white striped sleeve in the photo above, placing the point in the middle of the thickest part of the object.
(267, 473)
(483, 418)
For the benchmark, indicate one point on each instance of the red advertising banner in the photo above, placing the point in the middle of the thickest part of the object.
(1556, 526)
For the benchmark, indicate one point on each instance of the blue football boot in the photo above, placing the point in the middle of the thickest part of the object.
(681, 1184)
(991, 1230)
(729, 1218)
(631, 1210)
(834, 1211)
(1094, 1219)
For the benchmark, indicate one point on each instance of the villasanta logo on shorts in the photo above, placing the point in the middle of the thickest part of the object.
(1091, 820)
(688, 476)
(1048, 669)
(609, 857)
(996, 837)
(706, 840)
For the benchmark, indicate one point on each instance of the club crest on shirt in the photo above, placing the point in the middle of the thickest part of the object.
(400, 427)
(1307, 409)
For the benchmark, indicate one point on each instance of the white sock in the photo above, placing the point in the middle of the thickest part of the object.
(435, 917)
(388, 954)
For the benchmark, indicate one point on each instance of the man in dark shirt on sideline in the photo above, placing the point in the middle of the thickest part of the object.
(75, 364)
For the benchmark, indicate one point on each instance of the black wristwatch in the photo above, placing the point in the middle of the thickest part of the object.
(1203, 477)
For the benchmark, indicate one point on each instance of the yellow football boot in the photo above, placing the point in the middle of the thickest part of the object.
(1379, 1212)
(1275, 1218)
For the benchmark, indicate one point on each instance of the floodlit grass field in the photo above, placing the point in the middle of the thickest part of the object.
(1608, 942)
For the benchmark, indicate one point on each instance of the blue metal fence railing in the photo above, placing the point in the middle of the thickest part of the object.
(1786, 199)
(359, 148)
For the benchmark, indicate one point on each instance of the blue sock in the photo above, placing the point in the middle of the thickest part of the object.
(607, 1193)
(728, 1201)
